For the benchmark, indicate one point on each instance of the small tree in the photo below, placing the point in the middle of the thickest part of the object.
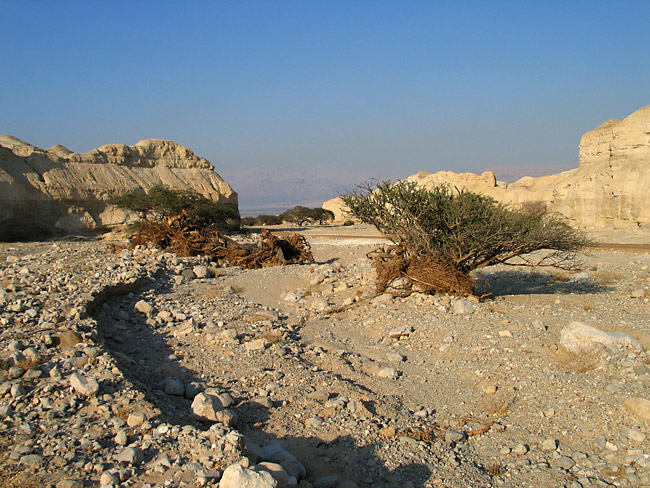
(300, 215)
(297, 215)
(442, 235)
(268, 220)
(190, 208)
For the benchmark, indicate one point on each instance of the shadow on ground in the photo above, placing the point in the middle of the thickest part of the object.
(147, 357)
(517, 282)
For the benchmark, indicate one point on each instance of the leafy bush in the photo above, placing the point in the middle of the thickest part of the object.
(452, 232)
(300, 215)
(188, 207)
(348, 223)
(248, 221)
(268, 220)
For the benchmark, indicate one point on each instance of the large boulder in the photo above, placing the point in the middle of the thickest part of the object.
(608, 189)
(55, 191)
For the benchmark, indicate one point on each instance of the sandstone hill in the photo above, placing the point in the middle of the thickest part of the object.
(608, 189)
(55, 191)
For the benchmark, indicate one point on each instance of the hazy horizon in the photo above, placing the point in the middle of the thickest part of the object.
(307, 90)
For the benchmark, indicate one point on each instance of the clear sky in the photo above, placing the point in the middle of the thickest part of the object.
(375, 87)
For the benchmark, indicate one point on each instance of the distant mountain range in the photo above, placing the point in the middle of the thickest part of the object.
(272, 191)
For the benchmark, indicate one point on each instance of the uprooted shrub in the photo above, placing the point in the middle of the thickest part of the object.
(441, 235)
(188, 224)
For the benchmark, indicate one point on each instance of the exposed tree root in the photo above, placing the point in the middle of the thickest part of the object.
(403, 275)
(189, 241)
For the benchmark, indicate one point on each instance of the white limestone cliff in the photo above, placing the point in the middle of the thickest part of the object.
(55, 191)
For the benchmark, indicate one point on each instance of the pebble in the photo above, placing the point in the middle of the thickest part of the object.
(314, 422)
(549, 445)
(388, 373)
(130, 455)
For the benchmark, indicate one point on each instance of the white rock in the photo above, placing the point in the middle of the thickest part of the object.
(276, 470)
(144, 307)
(462, 307)
(549, 445)
(383, 299)
(130, 455)
(402, 331)
(84, 385)
(578, 336)
(206, 406)
(388, 372)
(639, 407)
(318, 304)
(275, 453)
(237, 476)
(201, 271)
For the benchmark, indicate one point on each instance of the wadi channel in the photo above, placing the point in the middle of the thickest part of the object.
(135, 367)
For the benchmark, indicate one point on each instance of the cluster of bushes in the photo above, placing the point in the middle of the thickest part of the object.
(297, 215)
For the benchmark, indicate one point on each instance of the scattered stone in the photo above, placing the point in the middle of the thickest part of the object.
(144, 307)
(578, 337)
(314, 422)
(136, 419)
(454, 436)
(383, 299)
(328, 481)
(70, 484)
(201, 271)
(318, 304)
(237, 476)
(319, 395)
(639, 407)
(520, 449)
(462, 307)
(388, 373)
(130, 455)
(275, 453)
(403, 331)
(549, 445)
(276, 470)
(174, 386)
(84, 385)
(563, 462)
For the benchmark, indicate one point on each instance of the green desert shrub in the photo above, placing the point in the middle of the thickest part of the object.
(188, 207)
(449, 233)
(300, 215)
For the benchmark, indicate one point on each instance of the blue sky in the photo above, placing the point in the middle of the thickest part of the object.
(369, 87)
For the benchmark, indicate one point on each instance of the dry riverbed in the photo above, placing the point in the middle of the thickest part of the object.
(104, 356)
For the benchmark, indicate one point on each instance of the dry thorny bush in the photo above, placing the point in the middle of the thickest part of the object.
(443, 234)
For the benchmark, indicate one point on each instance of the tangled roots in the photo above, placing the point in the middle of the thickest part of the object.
(271, 250)
(403, 275)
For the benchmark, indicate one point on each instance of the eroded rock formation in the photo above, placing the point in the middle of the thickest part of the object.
(55, 191)
(608, 189)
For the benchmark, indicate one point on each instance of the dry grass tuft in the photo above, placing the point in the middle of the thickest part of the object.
(495, 468)
(499, 403)
(603, 277)
(586, 360)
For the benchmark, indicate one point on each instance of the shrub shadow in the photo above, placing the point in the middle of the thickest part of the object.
(522, 282)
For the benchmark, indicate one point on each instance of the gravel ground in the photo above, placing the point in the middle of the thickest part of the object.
(363, 390)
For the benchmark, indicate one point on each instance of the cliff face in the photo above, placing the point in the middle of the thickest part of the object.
(608, 189)
(55, 191)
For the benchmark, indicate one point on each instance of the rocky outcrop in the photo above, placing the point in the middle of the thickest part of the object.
(55, 191)
(608, 189)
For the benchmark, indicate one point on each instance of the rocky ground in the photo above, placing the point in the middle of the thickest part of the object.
(140, 368)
